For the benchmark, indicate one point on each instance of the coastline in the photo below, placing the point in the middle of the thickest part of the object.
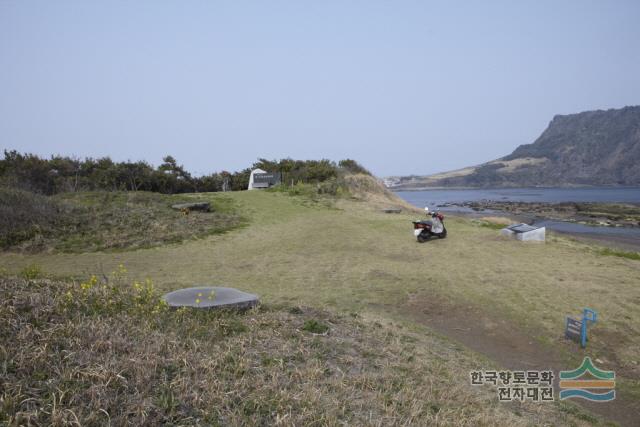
(608, 216)
(610, 235)
(396, 189)
(588, 213)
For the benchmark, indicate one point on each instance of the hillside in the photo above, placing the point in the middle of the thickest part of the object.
(337, 260)
(105, 221)
(132, 361)
(588, 148)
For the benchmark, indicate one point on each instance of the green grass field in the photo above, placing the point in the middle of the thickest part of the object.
(345, 256)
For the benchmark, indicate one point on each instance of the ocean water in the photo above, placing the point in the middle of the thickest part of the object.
(435, 199)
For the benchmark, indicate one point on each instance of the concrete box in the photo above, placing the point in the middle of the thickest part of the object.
(524, 232)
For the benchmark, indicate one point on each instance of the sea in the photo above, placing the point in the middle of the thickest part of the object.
(449, 200)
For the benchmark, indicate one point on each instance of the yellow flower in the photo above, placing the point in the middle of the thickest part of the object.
(197, 301)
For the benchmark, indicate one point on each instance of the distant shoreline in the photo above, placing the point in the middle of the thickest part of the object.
(562, 187)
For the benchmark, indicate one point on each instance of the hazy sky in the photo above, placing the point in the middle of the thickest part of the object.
(401, 86)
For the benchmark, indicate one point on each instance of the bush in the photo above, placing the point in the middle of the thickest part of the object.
(25, 216)
(351, 166)
(31, 272)
(64, 174)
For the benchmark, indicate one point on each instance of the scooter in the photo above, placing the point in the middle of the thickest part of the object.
(423, 230)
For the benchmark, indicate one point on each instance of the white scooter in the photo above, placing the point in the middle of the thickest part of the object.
(423, 230)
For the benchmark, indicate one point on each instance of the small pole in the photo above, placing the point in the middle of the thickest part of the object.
(588, 315)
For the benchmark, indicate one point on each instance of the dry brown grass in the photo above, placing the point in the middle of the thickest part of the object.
(367, 188)
(98, 221)
(109, 354)
(25, 215)
(497, 220)
(357, 259)
(512, 165)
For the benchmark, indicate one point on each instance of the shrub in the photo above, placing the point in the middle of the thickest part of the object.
(64, 174)
(353, 167)
(332, 187)
(25, 216)
(31, 272)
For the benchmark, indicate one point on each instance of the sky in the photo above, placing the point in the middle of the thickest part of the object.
(403, 87)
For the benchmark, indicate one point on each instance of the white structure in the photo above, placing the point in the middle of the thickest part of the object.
(524, 232)
(253, 172)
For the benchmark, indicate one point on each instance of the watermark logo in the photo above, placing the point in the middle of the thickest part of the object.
(536, 386)
(572, 385)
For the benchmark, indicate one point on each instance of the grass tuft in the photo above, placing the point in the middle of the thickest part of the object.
(31, 272)
(315, 326)
(492, 225)
(619, 253)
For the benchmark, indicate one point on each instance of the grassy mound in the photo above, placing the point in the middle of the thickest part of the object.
(367, 188)
(100, 353)
(96, 221)
(355, 186)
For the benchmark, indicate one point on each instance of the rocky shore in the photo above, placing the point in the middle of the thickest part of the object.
(595, 214)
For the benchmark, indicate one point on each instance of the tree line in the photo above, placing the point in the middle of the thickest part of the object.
(65, 174)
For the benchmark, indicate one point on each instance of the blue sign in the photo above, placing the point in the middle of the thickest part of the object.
(577, 329)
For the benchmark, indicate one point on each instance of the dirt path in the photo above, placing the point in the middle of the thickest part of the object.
(510, 346)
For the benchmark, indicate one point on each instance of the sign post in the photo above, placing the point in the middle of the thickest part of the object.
(577, 329)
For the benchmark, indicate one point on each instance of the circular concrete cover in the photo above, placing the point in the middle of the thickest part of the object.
(210, 297)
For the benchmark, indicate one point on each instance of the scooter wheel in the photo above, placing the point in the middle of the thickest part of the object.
(422, 239)
(443, 234)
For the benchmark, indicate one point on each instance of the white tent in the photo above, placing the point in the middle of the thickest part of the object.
(251, 187)
(524, 232)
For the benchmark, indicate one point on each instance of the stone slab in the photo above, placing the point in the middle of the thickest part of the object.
(201, 297)
(195, 206)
